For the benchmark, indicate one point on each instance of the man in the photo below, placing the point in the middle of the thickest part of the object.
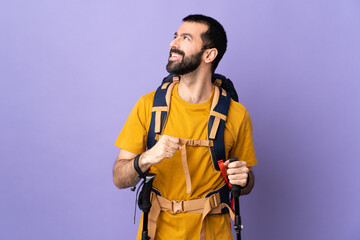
(195, 52)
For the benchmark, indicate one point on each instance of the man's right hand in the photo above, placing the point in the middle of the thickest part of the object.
(164, 148)
(124, 173)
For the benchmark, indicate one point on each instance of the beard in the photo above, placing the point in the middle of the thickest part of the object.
(186, 65)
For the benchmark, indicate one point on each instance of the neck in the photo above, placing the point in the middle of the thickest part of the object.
(196, 87)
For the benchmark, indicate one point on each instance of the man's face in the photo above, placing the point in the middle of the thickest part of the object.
(186, 48)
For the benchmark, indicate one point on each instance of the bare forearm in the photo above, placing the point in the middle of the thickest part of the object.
(124, 173)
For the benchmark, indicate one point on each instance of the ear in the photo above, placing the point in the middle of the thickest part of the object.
(210, 55)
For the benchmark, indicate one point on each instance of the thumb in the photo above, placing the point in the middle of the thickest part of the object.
(226, 163)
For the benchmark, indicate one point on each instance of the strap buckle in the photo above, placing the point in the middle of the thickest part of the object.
(214, 200)
(197, 143)
(177, 206)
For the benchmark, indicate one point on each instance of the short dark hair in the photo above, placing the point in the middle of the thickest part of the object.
(214, 37)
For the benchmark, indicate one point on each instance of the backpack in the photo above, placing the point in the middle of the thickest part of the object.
(217, 201)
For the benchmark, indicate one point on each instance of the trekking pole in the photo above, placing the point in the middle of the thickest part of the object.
(145, 203)
(235, 192)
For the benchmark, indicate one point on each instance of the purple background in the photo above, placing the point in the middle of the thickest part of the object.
(71, 71)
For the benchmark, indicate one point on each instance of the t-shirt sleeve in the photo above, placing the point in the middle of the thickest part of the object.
(133, 136)
(244, 146)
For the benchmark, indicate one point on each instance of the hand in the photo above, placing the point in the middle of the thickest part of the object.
(164, 148)
(237, 172)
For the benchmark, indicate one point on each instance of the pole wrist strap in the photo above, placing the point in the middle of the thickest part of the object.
(137, 168)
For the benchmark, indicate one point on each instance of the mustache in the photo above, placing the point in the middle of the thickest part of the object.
(176, 51)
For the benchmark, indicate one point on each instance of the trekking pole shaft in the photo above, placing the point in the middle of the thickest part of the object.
(146, 204)
(145, 227)
(237, 223)
(235, 192)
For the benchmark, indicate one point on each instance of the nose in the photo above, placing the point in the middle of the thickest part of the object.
(174, 43)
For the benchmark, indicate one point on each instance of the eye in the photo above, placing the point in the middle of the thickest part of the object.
(186, 38)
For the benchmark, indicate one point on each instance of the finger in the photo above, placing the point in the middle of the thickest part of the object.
(167, 139)
(231, 171)
(173, 139)
(237, 164)
(238, 180)
(170, 150)
(238, 177)
(173, 145)
(168, 155)
(241, 183)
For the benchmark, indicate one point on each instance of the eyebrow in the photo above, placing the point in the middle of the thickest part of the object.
(184, 34)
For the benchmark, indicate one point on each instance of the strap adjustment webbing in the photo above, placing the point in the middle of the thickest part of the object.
(205, 206)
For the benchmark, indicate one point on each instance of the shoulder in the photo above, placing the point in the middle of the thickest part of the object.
(238, 117)
(143, 106)
(238, 122)
(237, 111)
(146, 101)
(141, 112)
(149, 97)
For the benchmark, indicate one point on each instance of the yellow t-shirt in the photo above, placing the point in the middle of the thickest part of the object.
(189, 120)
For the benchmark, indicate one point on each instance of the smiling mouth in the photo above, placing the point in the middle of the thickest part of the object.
(175, 55)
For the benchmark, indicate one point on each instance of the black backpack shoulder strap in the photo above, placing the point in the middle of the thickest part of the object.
(216, 124)
(160, 108)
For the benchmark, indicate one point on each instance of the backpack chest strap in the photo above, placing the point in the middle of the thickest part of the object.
(191, 142)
